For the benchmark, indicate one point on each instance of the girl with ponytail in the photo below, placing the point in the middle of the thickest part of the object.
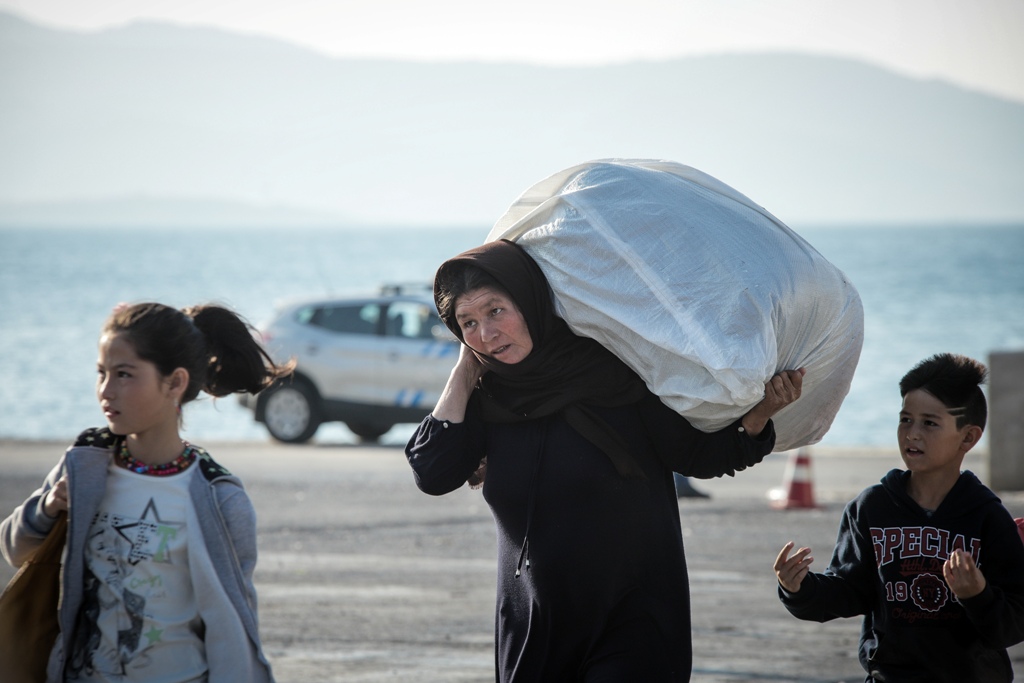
(161, 540)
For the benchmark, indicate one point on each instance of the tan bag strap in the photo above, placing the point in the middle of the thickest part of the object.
(53, 544)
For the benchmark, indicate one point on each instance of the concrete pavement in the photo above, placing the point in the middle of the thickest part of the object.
(362, 578)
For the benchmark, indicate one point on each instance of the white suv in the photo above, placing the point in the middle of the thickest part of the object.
(369, 362)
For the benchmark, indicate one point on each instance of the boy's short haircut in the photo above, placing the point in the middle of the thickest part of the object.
(956, 381)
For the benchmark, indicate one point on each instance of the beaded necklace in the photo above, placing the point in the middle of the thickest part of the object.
(179, 464)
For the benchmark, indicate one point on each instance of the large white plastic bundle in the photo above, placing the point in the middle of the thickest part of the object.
(703, 293)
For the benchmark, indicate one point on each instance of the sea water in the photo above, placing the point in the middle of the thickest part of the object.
(925, 290)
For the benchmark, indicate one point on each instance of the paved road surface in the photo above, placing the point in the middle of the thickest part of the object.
(364, 579)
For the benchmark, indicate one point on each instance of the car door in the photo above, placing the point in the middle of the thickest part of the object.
(342, 353)
(418, 354)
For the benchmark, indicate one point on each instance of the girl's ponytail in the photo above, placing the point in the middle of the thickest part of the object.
(236, 362)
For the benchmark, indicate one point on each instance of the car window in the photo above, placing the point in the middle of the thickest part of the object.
(347, 319)
(411, 319)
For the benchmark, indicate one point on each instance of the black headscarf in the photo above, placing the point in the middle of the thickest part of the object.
(564, 373)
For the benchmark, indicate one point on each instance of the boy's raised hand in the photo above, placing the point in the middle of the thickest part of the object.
(792, 570)
(962, 575)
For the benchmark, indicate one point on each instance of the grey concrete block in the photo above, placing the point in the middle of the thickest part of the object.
(1006, 420)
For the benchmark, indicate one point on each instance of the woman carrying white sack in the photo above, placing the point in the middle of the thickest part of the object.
(575, 456)
(574, 452)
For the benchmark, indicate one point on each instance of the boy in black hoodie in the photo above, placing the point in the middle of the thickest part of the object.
(929, 556)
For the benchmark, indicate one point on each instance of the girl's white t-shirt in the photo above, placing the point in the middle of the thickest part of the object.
(140, 620)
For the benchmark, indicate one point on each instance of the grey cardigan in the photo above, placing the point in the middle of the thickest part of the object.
(223, 524)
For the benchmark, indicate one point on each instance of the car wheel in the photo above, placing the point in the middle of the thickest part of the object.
(368, 432)
(292, 412)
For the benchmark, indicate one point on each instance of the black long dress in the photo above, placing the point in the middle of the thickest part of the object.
(592, 582)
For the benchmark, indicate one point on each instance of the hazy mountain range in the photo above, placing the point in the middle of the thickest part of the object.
(161, 124)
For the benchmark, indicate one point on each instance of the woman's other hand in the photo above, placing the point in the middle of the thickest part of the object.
(461, 382)
(468, 368)
(779, 392)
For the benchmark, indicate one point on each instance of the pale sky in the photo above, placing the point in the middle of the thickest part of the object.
(978, 44)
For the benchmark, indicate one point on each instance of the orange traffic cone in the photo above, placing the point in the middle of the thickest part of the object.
(798, 489)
